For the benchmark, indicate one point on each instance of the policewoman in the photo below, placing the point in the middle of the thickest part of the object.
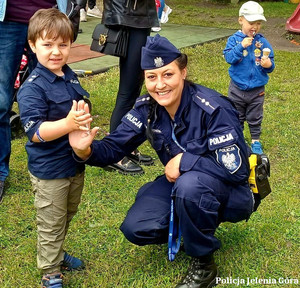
(197, 136)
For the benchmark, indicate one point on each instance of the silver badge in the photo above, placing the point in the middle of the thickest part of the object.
(158, 62)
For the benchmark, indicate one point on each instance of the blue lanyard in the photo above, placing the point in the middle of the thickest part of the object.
(174, 137)
(174, 229)
(174, 233)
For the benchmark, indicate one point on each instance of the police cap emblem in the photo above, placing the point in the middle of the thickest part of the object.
(158, 62)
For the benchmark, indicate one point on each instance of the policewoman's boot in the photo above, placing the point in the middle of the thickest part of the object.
(126, 167)
(141, 159)
(201, 273)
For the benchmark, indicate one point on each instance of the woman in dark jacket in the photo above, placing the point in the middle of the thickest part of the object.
(138, 17)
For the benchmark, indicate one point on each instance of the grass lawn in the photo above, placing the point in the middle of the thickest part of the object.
(265, 247)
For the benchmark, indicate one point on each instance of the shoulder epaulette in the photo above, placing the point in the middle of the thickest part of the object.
(142, 100)
(32, 77)
(205, 102)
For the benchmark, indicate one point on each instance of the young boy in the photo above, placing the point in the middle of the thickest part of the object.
(48, 113)
(251, 58)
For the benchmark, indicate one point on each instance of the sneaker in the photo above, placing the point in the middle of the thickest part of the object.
(95, 12)
(165, 15)
(52, 280)
(71, 263)
(155, 29)
(82, 15)
(256, 148)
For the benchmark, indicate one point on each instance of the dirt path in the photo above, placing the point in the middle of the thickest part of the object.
(274, 31)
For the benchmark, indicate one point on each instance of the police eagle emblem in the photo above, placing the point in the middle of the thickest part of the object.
(229, 161)
(230, 157)
(158, 62)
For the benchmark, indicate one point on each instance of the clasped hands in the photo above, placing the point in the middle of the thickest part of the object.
(79, 116)
(81, 138)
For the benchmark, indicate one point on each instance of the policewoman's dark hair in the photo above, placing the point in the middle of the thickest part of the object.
(181, 62)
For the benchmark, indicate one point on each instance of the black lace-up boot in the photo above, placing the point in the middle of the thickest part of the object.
(201, 273)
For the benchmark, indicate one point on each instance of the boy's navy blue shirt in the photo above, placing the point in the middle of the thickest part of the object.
(47, 97)
(245, 70)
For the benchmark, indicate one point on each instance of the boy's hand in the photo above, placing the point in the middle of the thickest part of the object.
(81, 138)
(247, 41)
(265, 62)
(79, 117)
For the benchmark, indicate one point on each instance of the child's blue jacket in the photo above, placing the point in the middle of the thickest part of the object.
(245, 70)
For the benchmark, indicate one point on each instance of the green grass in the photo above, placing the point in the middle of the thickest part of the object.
(265, 247)
(221, 14)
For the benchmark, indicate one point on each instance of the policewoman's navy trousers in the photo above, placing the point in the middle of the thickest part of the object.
(202, 202)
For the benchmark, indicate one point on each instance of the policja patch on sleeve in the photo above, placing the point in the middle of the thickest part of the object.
(132, 119)
(229, 157)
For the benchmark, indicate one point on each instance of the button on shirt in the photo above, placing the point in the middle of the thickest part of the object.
(47, 97)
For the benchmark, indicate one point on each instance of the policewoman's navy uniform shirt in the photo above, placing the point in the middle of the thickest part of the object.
(207, 130)
(47, 97)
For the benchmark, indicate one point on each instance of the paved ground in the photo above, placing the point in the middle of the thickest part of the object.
(85, 61)
(180, 35)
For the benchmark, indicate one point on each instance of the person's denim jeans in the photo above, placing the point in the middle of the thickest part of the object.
(161, 9)
(13, 40)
